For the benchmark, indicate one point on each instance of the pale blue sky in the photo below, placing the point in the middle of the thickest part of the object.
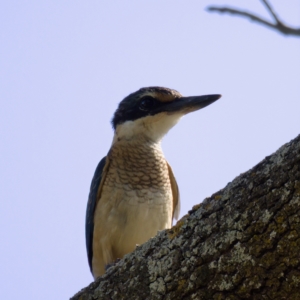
(64, 67)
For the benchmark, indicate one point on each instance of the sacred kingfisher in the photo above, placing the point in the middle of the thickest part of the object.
(134, 193)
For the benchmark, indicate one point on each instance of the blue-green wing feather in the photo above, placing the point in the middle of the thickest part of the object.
(90, 210)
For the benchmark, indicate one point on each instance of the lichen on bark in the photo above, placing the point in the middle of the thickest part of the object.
(243, 242)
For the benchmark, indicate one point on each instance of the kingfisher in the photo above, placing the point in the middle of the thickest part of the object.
(134, 193)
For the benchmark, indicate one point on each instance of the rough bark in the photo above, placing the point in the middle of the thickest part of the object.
(241, 243)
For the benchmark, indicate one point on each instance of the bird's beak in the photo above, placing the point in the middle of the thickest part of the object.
(186, 105)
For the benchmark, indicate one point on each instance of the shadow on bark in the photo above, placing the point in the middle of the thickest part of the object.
(241, 243)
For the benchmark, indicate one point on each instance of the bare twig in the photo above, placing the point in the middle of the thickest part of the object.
(271, 10)
(278, 25)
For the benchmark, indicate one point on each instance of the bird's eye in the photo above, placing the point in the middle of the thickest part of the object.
(146, 103)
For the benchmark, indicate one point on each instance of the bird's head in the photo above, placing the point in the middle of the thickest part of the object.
(152, 111)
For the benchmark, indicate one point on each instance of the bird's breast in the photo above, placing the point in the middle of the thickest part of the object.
(135, 201)
(137, 187)
(140, 171)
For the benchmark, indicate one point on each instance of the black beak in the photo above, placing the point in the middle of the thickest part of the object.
(190, 104)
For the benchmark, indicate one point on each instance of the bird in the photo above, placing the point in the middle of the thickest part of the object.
(134, 193)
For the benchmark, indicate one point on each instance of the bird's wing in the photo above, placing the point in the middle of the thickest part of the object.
(95, 191)
(175, 192)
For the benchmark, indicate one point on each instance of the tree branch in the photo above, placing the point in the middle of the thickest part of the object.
(271, 11)
(278, 25)
(241, 243)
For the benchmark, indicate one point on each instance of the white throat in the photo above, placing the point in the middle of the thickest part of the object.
(151, 128)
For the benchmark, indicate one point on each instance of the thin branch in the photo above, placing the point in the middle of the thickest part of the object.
(271, 10)
(278, 25)
(241, 13)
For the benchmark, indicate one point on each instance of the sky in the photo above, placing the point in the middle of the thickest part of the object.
(65, 66)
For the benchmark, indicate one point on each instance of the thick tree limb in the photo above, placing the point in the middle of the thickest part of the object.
(241, 243)
(278, 25)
